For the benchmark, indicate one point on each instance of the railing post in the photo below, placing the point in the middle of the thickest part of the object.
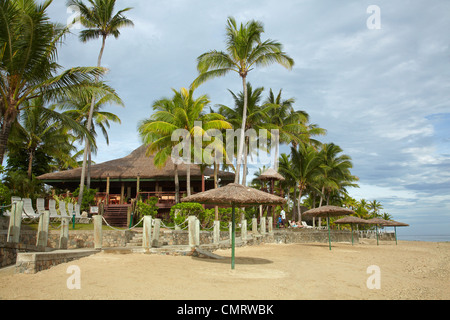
(155, 236)
(15, 221)
(270, 225)
(64, 236)
(194, 231)
(244, 230)
(263, 225)
(147, 232)
(216, 234)
(254, 226)
(42, 235)
(98, 232)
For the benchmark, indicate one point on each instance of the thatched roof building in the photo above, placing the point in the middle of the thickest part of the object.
(136, 170)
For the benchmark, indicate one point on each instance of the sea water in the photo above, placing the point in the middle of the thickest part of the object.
(428, 238)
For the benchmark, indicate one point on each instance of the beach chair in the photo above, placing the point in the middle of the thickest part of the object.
(292, 224)
(52, 209)
(306, 226)
(62, 210)
(40, 205)
(28, 210)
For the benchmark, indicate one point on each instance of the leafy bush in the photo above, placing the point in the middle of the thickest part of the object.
(147, 207)
(180, 212)
(88, 198)
(5, 195)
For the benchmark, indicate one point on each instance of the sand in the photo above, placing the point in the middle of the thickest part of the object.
(411, 270)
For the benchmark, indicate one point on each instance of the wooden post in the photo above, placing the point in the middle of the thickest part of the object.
(15, 221)
(155, 236)
(98, 233)
(122, 192)
(64, 236)
(107, 189)
(138, 180)
(42, 235)
(147, 232)
(244, 230)
(216, 234)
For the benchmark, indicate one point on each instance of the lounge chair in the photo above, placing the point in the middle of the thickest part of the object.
(306, 226)
(52, 209)
(292, 224)
(28, 210)
(40, 205)
(62, 210)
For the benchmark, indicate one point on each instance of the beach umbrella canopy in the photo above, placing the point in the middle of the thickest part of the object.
(351, 221)
(271, 174)
(233, 195)
(328, 211)
(395, 224)
(377, 222)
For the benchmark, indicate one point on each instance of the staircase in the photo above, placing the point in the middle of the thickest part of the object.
(116, 215)
(136, 241)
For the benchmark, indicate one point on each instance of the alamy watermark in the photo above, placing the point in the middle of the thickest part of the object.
(73, 21)
(374, 20)
(74, 281)
(374, 280)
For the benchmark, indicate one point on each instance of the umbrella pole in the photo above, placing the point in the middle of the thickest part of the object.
(233, 237)
(376, 230)
(395, 230)
(329, 236)
(351, 226)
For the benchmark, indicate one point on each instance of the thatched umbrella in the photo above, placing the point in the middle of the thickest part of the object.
(377, 222)
(271, 175)
(351, 221)
(395, 224)
(233, 195)
(328, 211)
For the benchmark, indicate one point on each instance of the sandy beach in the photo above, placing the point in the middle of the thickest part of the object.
(411, 270)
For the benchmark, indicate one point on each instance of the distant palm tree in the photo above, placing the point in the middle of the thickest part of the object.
(28, 66)
(244, 51)
(375, 206)
(101, 22)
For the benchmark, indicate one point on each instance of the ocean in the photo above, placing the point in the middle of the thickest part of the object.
(428, 238)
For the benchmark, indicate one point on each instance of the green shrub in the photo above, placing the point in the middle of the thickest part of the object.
(147, 207)
(180, 212)
(88, 198)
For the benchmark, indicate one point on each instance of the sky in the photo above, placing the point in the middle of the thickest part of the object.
(375, 74)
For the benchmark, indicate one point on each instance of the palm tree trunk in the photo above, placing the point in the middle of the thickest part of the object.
(177, 184)
(298, 205)
(244, 169)
(7, 122)
(188, 179)
(216, 172)
(30, 164)
(89, 126)
(244, 121)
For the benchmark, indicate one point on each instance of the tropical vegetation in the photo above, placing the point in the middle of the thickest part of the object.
(50, 118)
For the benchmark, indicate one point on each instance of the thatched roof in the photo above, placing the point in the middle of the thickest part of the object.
(379, 221)
(325, 211)
(392, 223)
(270, 174)
(351, 220)
(235, 194)
(135, 164)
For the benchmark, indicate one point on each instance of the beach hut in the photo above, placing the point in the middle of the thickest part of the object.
(235, 195)
(351, 221)
(328, 211)
(395, 224)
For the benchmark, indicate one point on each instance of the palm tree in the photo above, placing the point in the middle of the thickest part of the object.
(180, 112)
(306, 164)
(38, 130)
(78, 108)
(28, 67)
(256, 117)
(101, 22)
(375, 206)
(244, 51)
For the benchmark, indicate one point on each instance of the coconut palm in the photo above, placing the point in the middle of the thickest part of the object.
(244, 51)
(100, 21)
(38, 129)
(28, 66)
(256, 117)
(182, 112)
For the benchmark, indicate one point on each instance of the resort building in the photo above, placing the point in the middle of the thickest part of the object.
(118, 181)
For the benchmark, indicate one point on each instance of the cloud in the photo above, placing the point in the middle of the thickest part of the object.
(381, 94)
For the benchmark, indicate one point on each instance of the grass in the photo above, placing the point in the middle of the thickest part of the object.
(78, 226)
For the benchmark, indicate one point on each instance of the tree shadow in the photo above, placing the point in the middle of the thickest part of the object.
(238, 260)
